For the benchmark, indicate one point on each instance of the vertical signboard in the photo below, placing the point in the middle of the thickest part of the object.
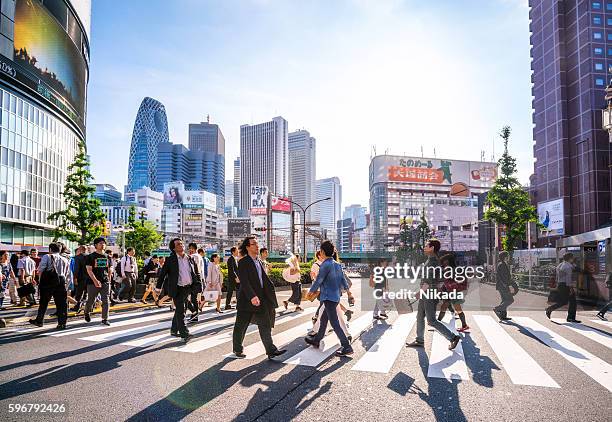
(259, 200)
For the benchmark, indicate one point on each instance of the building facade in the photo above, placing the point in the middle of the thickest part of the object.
(444, 191)
(229, 193)
(150, 131)
(106, 193)
(206, 137)
(328, 212)
(237, 183)
(302, 168)
(43, 113)
(263, 158)
(571, 51)
(150, 200)
(344, 234)
(357, 214)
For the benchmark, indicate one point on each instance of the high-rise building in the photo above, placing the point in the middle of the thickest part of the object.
(302, 168)
(229, 193)
(196, 169)
(357, 214)
(150, 131)
(263, 158)
(237, 183)
(43, 93)
(571, 49)
(328, 212)
(206, 137)
(344, 235)
(106, 193)
(150, 200)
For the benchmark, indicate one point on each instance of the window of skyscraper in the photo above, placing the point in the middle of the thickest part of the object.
(609, 6)
(609, 21)
(599, 51)
(597, 35)
(597, 20)
(598, 66)
(597, 5)
(610, 36)
(599, 82)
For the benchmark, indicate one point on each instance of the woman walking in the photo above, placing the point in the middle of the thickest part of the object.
(6, 277)
(214, 279)
(292, 275)
(449, 286)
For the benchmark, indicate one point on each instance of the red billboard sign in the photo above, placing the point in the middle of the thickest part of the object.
(280, 204)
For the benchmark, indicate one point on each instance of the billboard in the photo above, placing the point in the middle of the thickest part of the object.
(49, 60)
(199, 199)
(280, 204)
(174, 193)
(433, 171)
(238, 227)
(259, 200)
(550, 214)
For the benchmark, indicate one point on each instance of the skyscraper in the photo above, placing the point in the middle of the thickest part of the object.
(206, 137)
(150, 130)
(264, 156)
(237, 183)
(328, 212)
(357, 214)
(229, 193)
(571, 50)
(302, 168)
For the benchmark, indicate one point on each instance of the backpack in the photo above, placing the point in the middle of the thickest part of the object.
(49, 277)
(118, 268)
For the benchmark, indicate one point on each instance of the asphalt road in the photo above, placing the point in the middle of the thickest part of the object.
(530, 369)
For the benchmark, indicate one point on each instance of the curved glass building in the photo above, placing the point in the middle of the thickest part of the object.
(44, 70)
(150, 129)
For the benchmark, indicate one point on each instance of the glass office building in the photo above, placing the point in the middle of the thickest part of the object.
(42, 121)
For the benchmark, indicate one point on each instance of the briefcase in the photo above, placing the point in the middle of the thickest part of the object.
(26, 290)
(210, 295)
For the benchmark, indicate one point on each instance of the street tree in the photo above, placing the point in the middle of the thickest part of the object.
(81, 220)
(142, 236)
(508, 202)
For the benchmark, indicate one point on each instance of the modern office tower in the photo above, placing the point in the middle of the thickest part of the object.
(263, 158)
(150, 131)
(206, 137)
(106, 193)
(357, 214)
(237, 183)
(571, 52)
(327, 212)
(196, 169)
(344, 235)
(302, 168)
(150, 200)
(43, 102)
(229, 193)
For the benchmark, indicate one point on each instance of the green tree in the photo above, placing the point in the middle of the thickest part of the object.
(143, 237)
(423, 235)
(508, 203)
(81, 220)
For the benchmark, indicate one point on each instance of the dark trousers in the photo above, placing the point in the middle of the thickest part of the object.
(296, 293)
(506, 300)
(608, 305)
(178, 322)
(192, 299)
(81, 290)
(59, 295)
(129, 285)
(231, 287)
(563, 299)
(331, 314)
(243, 319)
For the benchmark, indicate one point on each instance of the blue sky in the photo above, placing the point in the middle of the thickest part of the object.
(355, 73)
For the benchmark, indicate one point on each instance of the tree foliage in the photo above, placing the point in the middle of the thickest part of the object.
(142, 236)
(508, 203)
(81, 220)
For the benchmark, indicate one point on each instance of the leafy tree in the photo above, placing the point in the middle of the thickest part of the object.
(423, 234)
(408, 241)
(82, 219)
(143, 237)
(508, 202)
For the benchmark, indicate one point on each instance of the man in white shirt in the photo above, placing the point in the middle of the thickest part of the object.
(26, 268)
(196, 288)
(129, 274)
(54, 270)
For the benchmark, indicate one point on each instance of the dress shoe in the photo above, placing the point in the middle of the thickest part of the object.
(344, 352)
(454, 342)
(548, 312)
(573, 320)
(105, 322)
(239, 355)
(87, 318)
(415, 344)
(601, 316)
(174, 334)
(186, 337)
(228, 307)
(61, 326)
(312, 342)
(276, 353)
(35, 322)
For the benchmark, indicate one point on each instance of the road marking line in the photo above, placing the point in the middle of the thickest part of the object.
(216, 340)
(590, 364)
(444, 363)
(382, 355)
(585, 330)
(604, 323)
(164, 338)
(257, 349)
(313, 357)
(133, 321)
(518, 364)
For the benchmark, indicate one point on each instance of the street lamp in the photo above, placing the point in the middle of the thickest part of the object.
(304, 220)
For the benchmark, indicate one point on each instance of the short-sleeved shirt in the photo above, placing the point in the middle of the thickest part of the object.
(100, 264)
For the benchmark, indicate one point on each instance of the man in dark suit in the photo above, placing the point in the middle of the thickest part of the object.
(232, 271)
(256, 300)
(504, 284)
(179, 272)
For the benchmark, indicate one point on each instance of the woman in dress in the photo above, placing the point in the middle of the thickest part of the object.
(214, 278)
(292, 275)
(6, 276)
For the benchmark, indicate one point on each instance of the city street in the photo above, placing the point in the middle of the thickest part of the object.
(525, 370)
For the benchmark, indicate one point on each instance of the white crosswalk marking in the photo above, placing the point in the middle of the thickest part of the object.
(313, 357)
(444, 363)
(155, 317)
(210, 342)
(591, 365)
(585, 330)
(381, 356)
(521, 368)
(604, 323)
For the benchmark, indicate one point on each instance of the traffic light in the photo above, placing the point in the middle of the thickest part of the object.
(260, 229)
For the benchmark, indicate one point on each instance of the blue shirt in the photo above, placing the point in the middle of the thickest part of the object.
(330, 280)
(259, 270)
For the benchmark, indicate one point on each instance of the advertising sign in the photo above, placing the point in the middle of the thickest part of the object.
(280, 204)
(173, 193)
(199, 199)
(259, 200)
(238, 227)
(550, 214)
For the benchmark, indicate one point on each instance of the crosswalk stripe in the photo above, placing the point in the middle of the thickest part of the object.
(585, 330)
(604, 323)
(313, 357)
(591, 365)
(444, 363)
(520, 367)
(216, 340)
(156, 317)
(381, 356)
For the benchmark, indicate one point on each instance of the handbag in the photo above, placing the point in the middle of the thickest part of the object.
(312, 296)
(26, 290)
(291, 278)
(210, 295)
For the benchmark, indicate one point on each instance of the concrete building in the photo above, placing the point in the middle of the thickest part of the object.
(302, 168)
(206, 137)
(237, 183)
(357, 214)
(150, 200)
(328, 212)
(106, 193)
